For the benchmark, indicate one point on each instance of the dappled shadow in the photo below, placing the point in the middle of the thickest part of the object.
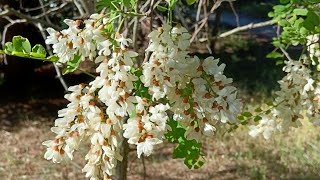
(38, 97)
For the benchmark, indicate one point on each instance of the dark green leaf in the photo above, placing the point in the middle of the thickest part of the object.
(162, 8)
(241, 118)
(257, 118)
(126, 3)
(246, 114)
(274, 55)
(258, 110)
(311, 21)
(198, 164)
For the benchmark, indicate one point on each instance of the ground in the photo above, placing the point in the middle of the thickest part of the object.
(232, 156)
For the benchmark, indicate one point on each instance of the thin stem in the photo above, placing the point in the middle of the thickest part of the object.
(87, 73)
(170, 16)
(120, 24)
(48, 60)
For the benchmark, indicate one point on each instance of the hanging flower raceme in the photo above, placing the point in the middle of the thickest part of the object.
(111, 109)
(299, 92)
(200, 94)
(86, 42)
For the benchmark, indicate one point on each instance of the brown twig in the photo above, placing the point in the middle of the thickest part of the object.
(144, 168)
(198, 14)
(53, 10)
(135, 27)
(10, 11)
(205, 19)
(4, 33)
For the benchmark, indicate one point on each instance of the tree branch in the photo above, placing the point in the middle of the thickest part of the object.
(53, 10)
(62, 81)
(205, 19)
(10, 11)
(246, 27)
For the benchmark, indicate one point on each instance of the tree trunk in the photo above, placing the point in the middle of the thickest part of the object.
(122, 166)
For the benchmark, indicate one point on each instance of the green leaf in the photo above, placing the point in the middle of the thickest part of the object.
(190, 150)
(268, 112)
(258, 110)
(172, 4)
(188, 163)
(279, 62)
(244, 122)
(271, 14)
(283, 22)
(162, 8)
(20, 54)
(133, 114)
(126, 3)
(72, 65)
(246, 114)
(277, 43)
(190, 2)
(21, 44)
(53, 58)
(241, 118)
(8, 47)
(198, 164)
(279, 8)
(301, 12)
(257, 118)
(311, 21)
(284, 1)
(38, 51)
(270, 103)
(314, 1)
(274, 55)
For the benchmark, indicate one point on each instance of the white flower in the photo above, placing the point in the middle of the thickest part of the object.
(208, 129)
(103, 48)
(146, 147)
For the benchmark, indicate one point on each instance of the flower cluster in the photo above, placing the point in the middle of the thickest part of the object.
(110, 109)
(199, 93)
(313, 46)
(86, 42)
(298, 92)
(147, 127)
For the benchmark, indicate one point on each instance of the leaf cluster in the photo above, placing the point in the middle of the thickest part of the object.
(21, 47)
(189, 150)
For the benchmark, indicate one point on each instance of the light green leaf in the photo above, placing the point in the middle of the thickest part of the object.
(190, 2)
(8, 47)
(301, 12)
(21, 44)
(72, 65)
(38, 51)
(53, 58)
